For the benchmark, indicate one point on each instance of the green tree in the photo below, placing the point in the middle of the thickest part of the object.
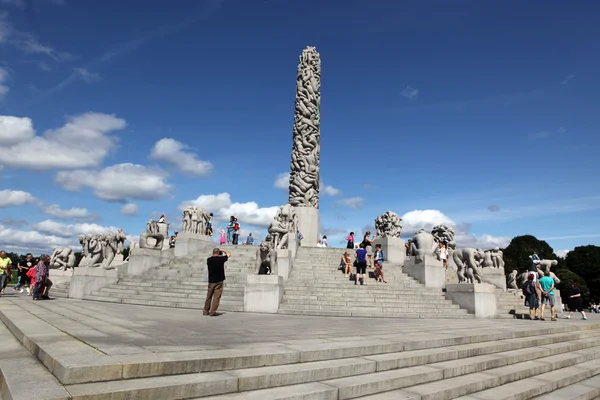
(585, 262)
(516, 254)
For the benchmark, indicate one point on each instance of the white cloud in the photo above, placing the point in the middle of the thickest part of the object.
(415, 220)
(329, 190)
(561, 253)
(130, 209)
(86, 76)
(175, 153)
(3, 78)
(82, 142)
(55, 211)
(59, 229)
(222, 207)
(282, 181)
(118, 182)
(11, 198)
(410, 92)
(31, 241)
(14, 130)
(353, 202)
(485, 242)
(567, 79)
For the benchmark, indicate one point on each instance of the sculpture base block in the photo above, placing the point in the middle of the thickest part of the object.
(59, 276)
(188, 244)
(86, 280)
(494, 276)
(428, 270)
(476, 298)
(144, 259)
(309, 225)
(394, 249)
(284, 263)
(263, 293)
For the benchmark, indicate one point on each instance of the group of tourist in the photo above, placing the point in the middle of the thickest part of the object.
(364, 258)
(32, 275)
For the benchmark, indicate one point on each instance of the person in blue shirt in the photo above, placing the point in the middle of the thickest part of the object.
(250, 239)
(361, 264)
(546, 284)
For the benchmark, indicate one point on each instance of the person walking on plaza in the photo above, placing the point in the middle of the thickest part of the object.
(5, 264)
(216, 277)
(361, 264)
(23, 278)
(546, 284)
(576, 302)
(41, 273)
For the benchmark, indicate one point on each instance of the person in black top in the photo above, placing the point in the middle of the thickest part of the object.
(24, 267)
(216, 276)
(576, 302)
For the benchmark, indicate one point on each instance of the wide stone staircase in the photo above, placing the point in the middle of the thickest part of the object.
(60, 289)
(534, 361)
(182, 283)
(316, 287)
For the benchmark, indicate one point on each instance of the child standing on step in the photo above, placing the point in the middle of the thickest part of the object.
(223, 239)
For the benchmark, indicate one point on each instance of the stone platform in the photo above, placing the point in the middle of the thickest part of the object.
(81, 350)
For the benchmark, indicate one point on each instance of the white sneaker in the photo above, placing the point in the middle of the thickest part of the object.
(567, 317)
(584, 318)
(21, 290)
(28, 292)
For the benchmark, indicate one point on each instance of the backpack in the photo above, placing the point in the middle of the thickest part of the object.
(528, 288)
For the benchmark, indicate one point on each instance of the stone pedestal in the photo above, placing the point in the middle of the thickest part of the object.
(557, 301)
(188, 244)
(144, 259)
(263, 293)
(86, 280)
(59, 276)
(477, 298)
(494, 276)
(394, 249)
(284, 263)
(429, 271)
(309, 225)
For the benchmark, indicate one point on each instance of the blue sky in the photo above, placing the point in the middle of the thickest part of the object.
(478, 114)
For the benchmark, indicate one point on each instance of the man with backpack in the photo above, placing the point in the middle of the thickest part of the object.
(530, 291)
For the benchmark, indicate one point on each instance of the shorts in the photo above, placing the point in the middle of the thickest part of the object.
(548, 299)
(576, 305)
(361, 267)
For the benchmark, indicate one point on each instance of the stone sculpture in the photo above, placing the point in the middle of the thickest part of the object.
(62, 258)
(283, 227)
(498, 258)
(512, 280)
(468, 263)
(388, 224)
(101, 250)
(423, 244)
(195, 220)
(304, 174)
(444, 234)
(266, 257)
(487, 260)
(152, 231)
(543, 266)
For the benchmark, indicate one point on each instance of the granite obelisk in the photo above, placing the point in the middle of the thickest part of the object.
(306, 149)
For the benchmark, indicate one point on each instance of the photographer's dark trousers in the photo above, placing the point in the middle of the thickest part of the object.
(213, 297)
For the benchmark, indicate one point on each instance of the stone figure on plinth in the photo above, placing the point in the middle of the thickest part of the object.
(468, 263)
(92, 246)
(266, 257)
(283, 227)
(62, 258)
(195, 220)
(487, 260)
(102, 250)
(542, 266)
(388, 224)
(152, 231)
(512, 280)
(498, 258)
(423, 244)
(444, 234)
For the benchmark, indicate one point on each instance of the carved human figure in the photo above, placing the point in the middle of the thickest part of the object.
(110, 246)
(512, 280)
(304, 165)
(546, 265)
(423, 244)
(444, 234)
(487, 260)
(498, 258)
(388, 224)
(120, 238)
(283, 226)
(95, 249)
(62, 258)
(84, 240)
(152, 231)
(187, 219)
(468, 263)
(266, 257)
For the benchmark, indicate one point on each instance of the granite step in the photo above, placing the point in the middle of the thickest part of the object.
(365, 313)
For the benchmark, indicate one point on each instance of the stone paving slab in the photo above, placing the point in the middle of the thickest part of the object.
(81, 341)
